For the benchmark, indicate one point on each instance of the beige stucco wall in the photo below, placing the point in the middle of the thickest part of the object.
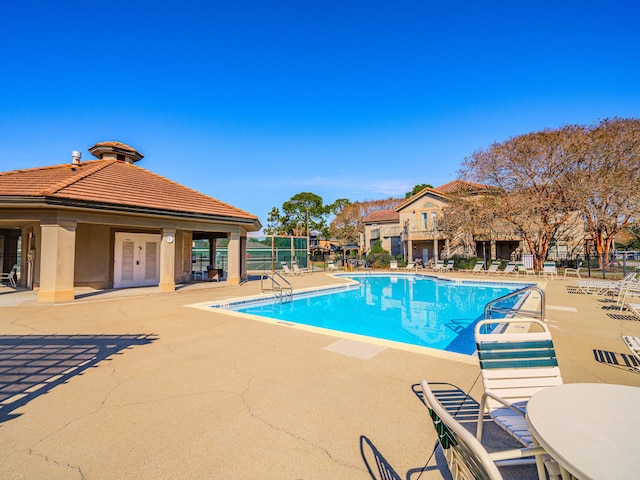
(94, 256)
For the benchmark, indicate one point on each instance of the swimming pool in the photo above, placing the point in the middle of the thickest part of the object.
(412, 309)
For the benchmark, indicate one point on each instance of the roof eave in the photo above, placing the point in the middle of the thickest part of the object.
(133, 209)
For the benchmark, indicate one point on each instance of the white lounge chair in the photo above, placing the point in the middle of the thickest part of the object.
(493, 268)
(629, 298)
(478, 267)
(573, 271)
(438, 266)
(449, 266)
(510, 268)
(411, 266)
(514, 366)
(549, 269)
(299, 271)
(522, 268)
(393, 265)
(633, 344)
(331, 265)
(466, 456)
(286, 269)
(605, 287)
(9, 277)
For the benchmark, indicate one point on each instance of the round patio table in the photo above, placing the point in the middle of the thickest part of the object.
(592, 430)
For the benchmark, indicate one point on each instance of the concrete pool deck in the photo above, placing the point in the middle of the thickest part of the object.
(174, 392)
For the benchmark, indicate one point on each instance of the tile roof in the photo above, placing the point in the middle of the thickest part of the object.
(382, 216)
(114, 183)
(461, 185)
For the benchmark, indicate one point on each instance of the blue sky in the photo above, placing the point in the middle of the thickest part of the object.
(252, 102)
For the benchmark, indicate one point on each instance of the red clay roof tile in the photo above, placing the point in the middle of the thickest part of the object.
(113, 182)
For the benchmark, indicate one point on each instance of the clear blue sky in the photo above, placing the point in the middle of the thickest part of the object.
(252, 102)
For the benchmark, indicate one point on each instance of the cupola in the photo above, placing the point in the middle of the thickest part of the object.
(116, 151)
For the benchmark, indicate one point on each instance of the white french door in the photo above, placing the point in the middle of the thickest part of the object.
(136, 260)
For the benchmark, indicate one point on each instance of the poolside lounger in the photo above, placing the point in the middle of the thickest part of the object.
(411, 266)
(514, 366)
(549, 269)
(10, 277)
(393, 265)
(510, 268)
(493, 268)
(467, 458)
(438, 266)
(605, 287)
(572, 271)
(286, 269)
(449, 266)
(299, 271)
(478, 267)
(522, 268)
(633, 344)
(332, 266)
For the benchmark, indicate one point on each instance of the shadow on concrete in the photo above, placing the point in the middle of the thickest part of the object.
(465, 409)
(619, 360)
(31, 365)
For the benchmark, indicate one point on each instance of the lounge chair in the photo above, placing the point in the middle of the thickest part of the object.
(514, 366)
(572, 271)
(605, 287)
(299, 271)
(286, 269)
(331, 265)
(522, 268)
(9, 277)
(629, 298)
(549, 269)
(411, 266)
(510, 268)
(393, 265)
(478, 267)
(493, 268)
(466, 456)
(633, 344)
(449, 266)
(438, 266)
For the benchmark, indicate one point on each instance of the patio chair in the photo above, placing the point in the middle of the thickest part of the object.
(606, 287)
(522, 268)
(629, 298)
(331, 265)
(299, 271)
(510, 268)
(411, 266)
(633, 344)
(9, 277)
(573, 271)
(493, 268)
(549, 269)
(438, 266)
(286, 269)
(515, 363)
(449, 266)
(466, 456)
(478, 267)
(393, 265)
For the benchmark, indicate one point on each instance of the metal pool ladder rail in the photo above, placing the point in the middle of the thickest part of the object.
(512, 312)
(283, 293)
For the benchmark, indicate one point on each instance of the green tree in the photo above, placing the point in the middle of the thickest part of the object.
(302, 210)
(417, 188)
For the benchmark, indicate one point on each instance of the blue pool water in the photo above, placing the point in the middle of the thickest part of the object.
(416, 310)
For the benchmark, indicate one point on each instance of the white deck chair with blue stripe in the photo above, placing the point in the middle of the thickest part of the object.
(515, 363)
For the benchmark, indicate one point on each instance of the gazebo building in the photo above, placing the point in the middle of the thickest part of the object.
(107, 223)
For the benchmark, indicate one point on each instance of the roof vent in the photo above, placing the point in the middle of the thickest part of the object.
(75, 157)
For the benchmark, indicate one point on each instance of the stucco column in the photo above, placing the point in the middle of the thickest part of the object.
(243, 258)
(493, 249)
(409, 251)
(57, 261)
(436, 251)
(233, 260)
(167, 260)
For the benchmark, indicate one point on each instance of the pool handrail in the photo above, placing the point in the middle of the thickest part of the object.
(277, 289)
(490, 308)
